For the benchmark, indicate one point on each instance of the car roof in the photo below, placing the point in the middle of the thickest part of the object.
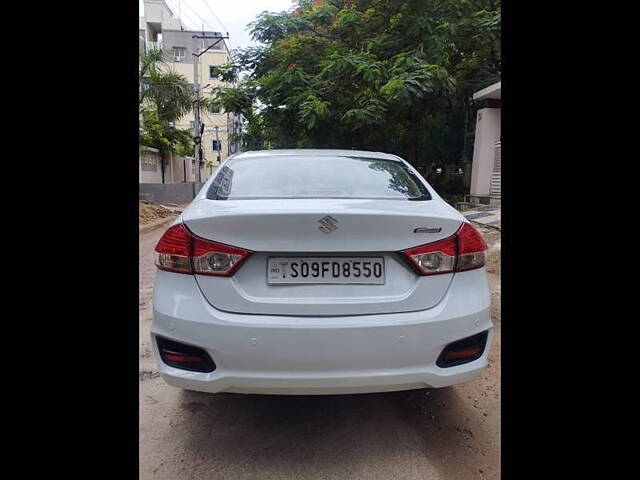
(302, 152)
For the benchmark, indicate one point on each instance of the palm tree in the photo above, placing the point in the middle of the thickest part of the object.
(163, 89)
(170, 93)
(151, 62)
(165, 93)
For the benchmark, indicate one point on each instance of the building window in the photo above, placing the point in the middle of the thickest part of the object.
(215, 108)
(212, 72)
(179, 53)
(215, 144)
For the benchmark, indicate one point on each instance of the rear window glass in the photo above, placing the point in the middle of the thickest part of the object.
(316, 177)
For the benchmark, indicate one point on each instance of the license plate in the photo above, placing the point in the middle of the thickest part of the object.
(340, 270)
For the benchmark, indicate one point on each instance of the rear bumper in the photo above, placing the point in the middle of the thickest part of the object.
(320, 355)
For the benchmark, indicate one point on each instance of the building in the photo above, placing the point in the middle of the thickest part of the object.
(161, 28)
(487, 150)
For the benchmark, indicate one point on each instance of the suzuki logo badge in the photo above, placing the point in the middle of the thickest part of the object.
(328, 224)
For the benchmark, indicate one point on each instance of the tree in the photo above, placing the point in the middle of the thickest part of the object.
(151, 63)
(165, 97)
(170, 94)
(389, 75)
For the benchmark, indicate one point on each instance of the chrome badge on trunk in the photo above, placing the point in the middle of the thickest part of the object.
(328, 224)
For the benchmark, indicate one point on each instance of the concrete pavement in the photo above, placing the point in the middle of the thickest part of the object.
(485, 215)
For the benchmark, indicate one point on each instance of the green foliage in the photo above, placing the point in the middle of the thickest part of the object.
(165, 97)
(151, 63)
(156, 133)
(152, 131)
(237, 100)
(171, 95)
(389, 75)
(369, 112)
(183, 141)
(311, 110)
(226, 73)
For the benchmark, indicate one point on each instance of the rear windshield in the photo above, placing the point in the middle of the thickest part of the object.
(316, 177)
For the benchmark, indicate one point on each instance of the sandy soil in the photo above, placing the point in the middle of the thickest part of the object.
(149, 213)
(452, 433)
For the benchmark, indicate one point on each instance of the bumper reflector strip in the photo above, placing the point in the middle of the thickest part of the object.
(185, 357)
(463, 351)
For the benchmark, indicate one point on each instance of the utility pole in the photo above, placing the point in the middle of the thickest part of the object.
(197, 128)
(218, 144)
(196, 124)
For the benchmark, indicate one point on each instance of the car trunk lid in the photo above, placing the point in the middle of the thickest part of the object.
(327, 228)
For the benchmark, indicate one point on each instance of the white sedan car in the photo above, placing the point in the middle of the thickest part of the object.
(319, 272)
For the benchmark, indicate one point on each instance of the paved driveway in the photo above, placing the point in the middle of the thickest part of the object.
(485, 215)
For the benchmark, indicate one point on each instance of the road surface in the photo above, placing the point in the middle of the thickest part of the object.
(440, 434)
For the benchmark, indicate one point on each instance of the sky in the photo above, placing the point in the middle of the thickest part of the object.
(233, 15)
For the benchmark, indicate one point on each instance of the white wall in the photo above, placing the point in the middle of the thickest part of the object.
(173, 169)
(149, 160)
(487, 134)
(179, 164)
(156, 11)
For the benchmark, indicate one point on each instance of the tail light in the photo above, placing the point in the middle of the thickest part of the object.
(434, 258)
(462, 251)
(471, 248)
(172, 251)
(181, 251)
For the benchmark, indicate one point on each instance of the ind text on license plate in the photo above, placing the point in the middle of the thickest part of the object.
(356, 270)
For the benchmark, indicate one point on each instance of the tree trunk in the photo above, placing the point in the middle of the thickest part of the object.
(412, 148)
(428, 168)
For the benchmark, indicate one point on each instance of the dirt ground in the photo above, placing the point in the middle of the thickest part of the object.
(149, 213)
(451, 434)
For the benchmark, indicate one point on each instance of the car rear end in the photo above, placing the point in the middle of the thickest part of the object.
(319, 273)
